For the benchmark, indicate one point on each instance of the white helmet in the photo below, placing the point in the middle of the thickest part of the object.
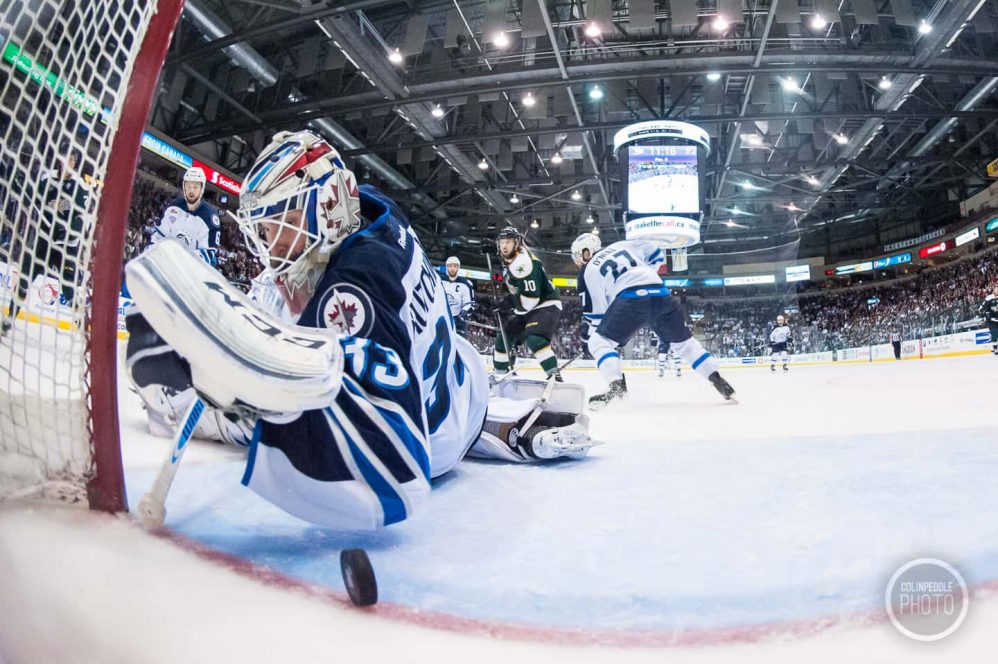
(588, 241)
(453, 260)
(195, 174)
(299, 171)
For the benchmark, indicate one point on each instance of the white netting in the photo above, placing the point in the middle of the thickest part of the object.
(64, 70)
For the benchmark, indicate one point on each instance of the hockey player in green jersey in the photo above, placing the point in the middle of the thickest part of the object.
(989, 312)
(536, 305)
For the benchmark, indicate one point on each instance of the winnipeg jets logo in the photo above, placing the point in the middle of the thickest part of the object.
(184, 238)
(48, 294)
(346, 309)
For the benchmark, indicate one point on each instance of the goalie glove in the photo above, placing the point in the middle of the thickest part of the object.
(239, 356)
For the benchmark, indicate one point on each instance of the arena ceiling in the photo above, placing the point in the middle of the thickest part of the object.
(852, 122)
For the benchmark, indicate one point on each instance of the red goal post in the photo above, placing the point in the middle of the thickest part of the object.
(76, 84)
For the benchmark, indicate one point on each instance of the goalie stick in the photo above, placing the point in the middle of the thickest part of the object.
(152, 507)
(542, 401)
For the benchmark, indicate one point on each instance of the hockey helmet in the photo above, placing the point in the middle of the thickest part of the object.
(588, 241)
(298, 171)
(453, 260)
(195, 174)
(509, 233)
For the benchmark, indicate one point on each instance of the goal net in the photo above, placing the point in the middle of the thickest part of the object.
(76, 81)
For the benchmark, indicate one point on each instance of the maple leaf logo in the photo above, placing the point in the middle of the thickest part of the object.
(342, 317)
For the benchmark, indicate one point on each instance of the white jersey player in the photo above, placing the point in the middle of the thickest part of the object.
(665, 357)
(622, 292)
(410, 398)
(778, 339)
(460, 295)
(190, 220)
(167, 393)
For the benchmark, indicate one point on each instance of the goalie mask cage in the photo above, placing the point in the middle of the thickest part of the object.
(76, 82)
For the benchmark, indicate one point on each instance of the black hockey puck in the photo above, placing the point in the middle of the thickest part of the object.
(358, 576)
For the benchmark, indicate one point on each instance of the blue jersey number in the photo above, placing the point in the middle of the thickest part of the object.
(615, 268)
(435, 366)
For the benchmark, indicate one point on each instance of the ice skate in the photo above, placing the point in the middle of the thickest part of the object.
(723, 386)
(617, 391)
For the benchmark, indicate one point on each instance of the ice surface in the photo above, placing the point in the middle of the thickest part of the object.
(786, 512)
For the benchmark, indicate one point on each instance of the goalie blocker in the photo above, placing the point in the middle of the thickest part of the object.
(339, 433)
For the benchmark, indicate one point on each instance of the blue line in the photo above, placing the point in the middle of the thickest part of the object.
(700, 360)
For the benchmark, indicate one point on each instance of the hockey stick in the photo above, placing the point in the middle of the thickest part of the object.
(152, 507)
(495, 294)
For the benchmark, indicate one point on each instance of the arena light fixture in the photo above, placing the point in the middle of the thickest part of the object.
(924, 28)
(841, 139)
(501, 40)
(589, 219)
(593, 30)
(556, 159)
(514, 199)
(529, 100)
(438, 111)
(885, 83)
(790, 84)
(720, 23)
(576, 196)
(752, 139)
(395, 57)
(713, 76)
(818, 22)
(596, 93)
(536, 223)
(811, 180)
(748, 186)
(596, 231)
(483, 165)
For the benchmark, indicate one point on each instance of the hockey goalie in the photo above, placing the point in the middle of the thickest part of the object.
(350, 387)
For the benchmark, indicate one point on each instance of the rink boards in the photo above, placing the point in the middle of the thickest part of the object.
(962, 344)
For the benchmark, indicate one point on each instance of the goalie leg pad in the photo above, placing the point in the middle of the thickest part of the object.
(237, 353)
(561, 430)
(564, 397)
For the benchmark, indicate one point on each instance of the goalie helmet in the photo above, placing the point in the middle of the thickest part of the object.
(300, 199)
(588, 241)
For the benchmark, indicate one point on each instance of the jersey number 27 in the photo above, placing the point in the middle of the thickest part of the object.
(616, 268)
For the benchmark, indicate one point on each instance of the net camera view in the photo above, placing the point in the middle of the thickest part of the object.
(662, 178)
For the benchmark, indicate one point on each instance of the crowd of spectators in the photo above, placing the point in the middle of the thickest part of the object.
(935, 301)
(938, 300)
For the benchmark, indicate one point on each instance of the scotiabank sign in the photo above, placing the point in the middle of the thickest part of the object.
(220, 180)
(932, 250)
